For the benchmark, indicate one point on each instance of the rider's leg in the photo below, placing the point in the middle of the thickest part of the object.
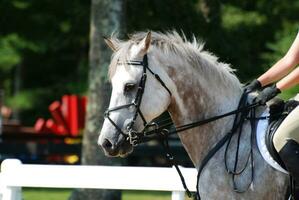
(286, 143)
(288, 130)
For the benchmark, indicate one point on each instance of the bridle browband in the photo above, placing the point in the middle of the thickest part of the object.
(161, 131)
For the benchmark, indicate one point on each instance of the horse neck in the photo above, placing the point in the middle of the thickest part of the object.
(199, 96)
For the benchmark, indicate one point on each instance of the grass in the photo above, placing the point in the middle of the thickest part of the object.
(63, 194)
(45, 194)
(145, 195)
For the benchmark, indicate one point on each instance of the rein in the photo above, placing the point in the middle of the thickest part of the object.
(153, 131)
(145, 136)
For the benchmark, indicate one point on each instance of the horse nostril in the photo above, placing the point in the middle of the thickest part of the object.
(107, 145)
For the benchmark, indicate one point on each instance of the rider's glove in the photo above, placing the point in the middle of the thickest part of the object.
(254, 85)
(267, 94)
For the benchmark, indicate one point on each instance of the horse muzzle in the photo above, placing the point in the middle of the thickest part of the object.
(115, 148)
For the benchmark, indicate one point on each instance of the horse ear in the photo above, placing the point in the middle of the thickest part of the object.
(145, 43)
(113, 44)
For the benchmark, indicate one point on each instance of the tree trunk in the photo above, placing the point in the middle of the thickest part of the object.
(106, 17)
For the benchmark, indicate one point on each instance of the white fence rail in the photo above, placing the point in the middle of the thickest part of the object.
(15, 175)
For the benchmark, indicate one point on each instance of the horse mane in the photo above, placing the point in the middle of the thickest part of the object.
(171, 43)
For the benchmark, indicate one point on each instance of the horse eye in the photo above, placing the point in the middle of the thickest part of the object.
(129, 87)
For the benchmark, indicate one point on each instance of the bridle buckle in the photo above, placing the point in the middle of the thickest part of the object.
(153, 124)
(132, 137)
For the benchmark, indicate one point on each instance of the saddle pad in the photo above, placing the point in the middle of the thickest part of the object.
(261, 130)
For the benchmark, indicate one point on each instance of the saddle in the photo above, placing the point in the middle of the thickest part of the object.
(279, 110)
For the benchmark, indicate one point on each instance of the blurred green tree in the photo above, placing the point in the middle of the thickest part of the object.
(43, 53)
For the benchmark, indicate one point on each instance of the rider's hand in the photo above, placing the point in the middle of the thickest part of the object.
(254, 85)
(267, 94)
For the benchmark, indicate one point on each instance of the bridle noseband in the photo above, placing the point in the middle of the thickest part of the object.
(132, 135)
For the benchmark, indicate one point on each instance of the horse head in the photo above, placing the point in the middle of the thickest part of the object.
(137, 96)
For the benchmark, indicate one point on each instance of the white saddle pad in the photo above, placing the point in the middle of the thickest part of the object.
(261, 142)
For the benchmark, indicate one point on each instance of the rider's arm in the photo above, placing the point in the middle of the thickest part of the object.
(283, 67)
(289, 81)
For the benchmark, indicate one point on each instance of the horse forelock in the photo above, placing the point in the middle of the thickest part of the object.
(121, 55)
(176, 46)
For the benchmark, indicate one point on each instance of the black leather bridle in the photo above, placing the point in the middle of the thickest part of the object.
(132, 135)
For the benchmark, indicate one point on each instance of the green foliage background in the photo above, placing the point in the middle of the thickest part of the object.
(44, 44)
(43, 48)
